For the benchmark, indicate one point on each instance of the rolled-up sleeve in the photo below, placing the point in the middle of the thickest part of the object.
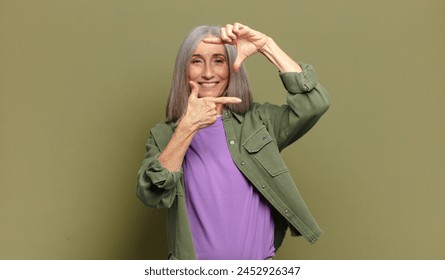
(307, 100)
(156, 185)
(301, 82)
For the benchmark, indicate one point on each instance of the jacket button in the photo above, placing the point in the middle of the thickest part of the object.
(286, 211)
(263, 186)
(232, 142)
(242, 163)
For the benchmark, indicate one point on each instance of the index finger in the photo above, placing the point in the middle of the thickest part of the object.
(213, 40)
(224, 100)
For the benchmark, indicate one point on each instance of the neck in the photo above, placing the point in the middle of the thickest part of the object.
(219, 108)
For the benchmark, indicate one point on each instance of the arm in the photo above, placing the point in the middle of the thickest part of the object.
(279, 58)
(307, 100)
(173, 155)
(156, 185)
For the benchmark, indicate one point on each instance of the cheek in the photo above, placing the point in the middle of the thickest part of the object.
(225, 78)
(224, 73)
(193, 73)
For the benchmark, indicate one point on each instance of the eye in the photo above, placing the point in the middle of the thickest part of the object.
(220, 61)
(196, 61)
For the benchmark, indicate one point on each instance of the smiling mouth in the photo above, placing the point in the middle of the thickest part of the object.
(207, 84)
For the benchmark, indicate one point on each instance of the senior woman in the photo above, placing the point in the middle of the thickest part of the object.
(215, 162)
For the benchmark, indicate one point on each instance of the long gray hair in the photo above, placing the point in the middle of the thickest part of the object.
(238, 85)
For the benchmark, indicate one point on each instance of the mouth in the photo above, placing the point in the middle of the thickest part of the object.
(208, 84)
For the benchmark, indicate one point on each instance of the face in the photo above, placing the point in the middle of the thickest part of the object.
(209, 68)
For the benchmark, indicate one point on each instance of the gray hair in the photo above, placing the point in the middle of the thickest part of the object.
(238, 85)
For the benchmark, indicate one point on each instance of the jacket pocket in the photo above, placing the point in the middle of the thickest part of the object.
(262, 147)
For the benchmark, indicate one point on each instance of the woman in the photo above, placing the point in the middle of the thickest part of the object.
(215, 163)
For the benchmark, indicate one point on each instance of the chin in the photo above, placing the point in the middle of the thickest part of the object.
(211, 94)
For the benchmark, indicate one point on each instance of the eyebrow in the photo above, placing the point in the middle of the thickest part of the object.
(215, 54)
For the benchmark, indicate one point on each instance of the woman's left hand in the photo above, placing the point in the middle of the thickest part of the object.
(245, 39)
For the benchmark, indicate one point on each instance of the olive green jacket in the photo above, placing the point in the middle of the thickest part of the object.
(255, 140)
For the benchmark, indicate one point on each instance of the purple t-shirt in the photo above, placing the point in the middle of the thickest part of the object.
(228, 218)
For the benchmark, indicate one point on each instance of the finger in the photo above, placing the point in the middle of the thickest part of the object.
(229, 32)
(237, 64)
(238, 28)
(194, 89)
(224, 36)
(224, 100)
(213, 40)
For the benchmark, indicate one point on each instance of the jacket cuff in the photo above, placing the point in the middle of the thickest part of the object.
(161, 176)
(302, 82)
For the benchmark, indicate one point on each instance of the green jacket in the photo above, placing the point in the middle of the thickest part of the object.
(255, 140)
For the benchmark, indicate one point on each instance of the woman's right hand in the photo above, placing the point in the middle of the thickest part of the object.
(202, 112)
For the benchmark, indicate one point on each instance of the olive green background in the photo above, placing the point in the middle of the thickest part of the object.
(81, 83)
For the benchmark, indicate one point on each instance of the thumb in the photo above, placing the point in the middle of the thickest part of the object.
(237, 64)
(194, 89)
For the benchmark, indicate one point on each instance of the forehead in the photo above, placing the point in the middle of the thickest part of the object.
(209, 49)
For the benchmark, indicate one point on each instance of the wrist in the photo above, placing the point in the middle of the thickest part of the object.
(267, 47)
(186, 127)
(279, 58)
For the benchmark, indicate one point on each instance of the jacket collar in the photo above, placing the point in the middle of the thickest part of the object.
(228, 114)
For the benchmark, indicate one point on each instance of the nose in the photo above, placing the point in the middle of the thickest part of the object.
(207, 72)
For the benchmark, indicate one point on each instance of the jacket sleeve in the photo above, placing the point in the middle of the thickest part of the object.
(156, 185)
(307, 101)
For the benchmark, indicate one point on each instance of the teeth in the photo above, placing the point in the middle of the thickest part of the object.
(208, 84)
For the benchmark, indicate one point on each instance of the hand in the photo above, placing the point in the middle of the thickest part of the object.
(202, 112)
(245, 39)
